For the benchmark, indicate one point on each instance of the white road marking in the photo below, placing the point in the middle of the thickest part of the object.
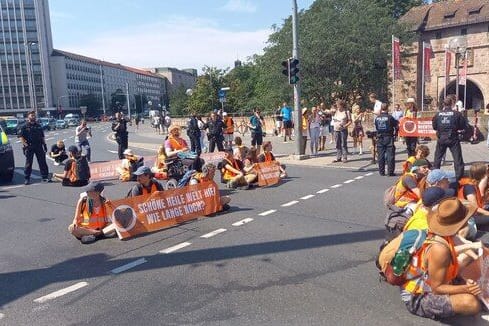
(370, 173)
(485, 317)
(49, 138)
(175, 248)
(271, 211)
(113, 152)
(33, 176)
(2, 315)
(242, 222)
(12, 187)
(290, 203)
(213, 233)
(359, 177)
(125, 267)
(307, 197)
(349, 181)
(61, 292)
(322, 191)
(72, 137)
(336, 186)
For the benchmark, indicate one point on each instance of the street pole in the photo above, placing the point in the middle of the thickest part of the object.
(128, 104)
(102, 89)
(457, 59)
(30, 75)
(295, 54)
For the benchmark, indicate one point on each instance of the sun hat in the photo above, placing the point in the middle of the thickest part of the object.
(449, 216)
(128, 151)
(94, 186)
(173, 127)
(433, 195)
(142, 170)
(410, 100)
(304, 110)
(437, 175)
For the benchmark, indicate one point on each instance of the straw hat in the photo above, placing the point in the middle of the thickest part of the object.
(450, 216)
(173, 127)
(410, 100)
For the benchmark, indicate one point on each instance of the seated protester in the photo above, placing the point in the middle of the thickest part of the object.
(76, 172)
(473, 188)
(240, 150)
(422, 152)
(410, 186)
(91, 221)
(129, 164)
(207, 174)
(146, 183)
(58, 152)
(249, 163)
(267, 156)
(175, 144)
(232, 172)
(159, 169)
(430, 291)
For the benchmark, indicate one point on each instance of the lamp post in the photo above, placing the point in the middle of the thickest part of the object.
(30, 74)
(458, 45)
(57, 103)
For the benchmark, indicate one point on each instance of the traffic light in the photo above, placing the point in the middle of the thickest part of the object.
(293, 71)
(285, 64)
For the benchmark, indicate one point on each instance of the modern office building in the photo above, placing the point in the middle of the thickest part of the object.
(25, 48)
(176, 78)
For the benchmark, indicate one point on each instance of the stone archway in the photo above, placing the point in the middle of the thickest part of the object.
(475, 98)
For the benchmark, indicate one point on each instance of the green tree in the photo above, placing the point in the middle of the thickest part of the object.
(93, 104)
(242, 83)
(397, 8)
(179, 101)
(117, 100)
(204, 96)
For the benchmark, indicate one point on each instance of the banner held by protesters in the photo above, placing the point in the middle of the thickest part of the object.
(268, 173)
(416, 127)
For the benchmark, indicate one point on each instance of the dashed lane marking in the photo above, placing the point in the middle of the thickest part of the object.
(336, 186)
(61, 292)
(322, 191)
(265, 213)
(56, 133)
(12, 187)
(2, 315)
(307, 197)
(113, 152)
(368, 174)
(213, 233)
(360, 177)
(175, 248)
(49, 138)
(126, 267)
(290, 203)
(349, 181)
(18, 141)
(242, 222)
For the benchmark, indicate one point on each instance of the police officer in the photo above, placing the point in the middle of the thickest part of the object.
(119, 126)
(193, 133)
(448, 124)
(386, 127)
(215, 132)
(32, 137)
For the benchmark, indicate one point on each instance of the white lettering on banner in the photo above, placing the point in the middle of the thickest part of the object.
(175, 200)
(194, 195)
(209, 192)
(153, 218)
(152, 205)
(173, 212)
(271, 175)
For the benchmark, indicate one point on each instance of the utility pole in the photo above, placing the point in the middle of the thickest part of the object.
(128, 103)
(297, 103)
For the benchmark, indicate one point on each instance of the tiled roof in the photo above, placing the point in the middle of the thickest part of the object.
(448, 13)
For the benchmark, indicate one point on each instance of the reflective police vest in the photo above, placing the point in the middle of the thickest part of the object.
(445, 122)
(383, 125)
(3, 138)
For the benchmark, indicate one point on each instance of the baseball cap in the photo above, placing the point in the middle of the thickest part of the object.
(94, 186)
(437, 175)
(142, 170)
(433, 195)
(224, 114)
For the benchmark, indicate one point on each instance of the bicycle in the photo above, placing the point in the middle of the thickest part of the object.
(242, 128)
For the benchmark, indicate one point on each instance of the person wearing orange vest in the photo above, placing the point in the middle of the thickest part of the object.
(473, 189)
(91, 222)
(160, 169)
(175, 144)
(228, 129)
(422, 152)
(146, 183)
(410, 186)
(207, 174)
(232, 172)
(267, 156)
(429, 290)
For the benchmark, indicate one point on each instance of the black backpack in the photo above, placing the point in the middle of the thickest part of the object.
(80, 169)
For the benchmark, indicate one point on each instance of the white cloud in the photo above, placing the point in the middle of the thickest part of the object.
(239, 6)
(179, 42)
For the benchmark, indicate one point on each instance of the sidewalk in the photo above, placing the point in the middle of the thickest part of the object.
(149, 139)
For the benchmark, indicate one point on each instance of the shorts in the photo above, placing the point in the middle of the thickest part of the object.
(287, 124)
(324, 131)
(256, 139)
(228, 137)
(429, 305)
(357, 132)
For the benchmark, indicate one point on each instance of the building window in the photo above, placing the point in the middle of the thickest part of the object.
(464, 31)
(438, 35)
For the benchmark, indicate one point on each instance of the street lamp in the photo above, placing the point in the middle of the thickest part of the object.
(30, 74)
(57, 103)
(458, 45)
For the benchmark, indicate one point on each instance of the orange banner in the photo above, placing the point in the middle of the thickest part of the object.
(104, 170)
(416, 127)
(213, 158)
(268, 173)
(163, 209)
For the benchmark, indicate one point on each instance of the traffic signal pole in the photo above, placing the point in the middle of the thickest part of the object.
(297, 103)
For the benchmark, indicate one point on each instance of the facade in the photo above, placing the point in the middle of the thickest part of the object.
(25, 47)
(176, 78)
(438, 24)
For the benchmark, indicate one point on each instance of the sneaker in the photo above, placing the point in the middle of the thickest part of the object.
(56, 163)
(27, 181)
(336, 161)
(87, 239)
(46, 180)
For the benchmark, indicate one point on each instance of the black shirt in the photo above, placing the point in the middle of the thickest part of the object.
(57, 150)
(385, 124)
(32, 133)
(215, 127)
(447, 123)
(120, 127)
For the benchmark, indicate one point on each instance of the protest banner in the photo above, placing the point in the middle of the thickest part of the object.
(416, 127)
(104, 170)
(163, 209)
(268, 173)
(213, 158)
(478, 271)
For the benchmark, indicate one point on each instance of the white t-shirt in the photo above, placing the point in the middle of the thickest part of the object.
(377, 107)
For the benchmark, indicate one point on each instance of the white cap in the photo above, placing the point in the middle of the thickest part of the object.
(224, 114)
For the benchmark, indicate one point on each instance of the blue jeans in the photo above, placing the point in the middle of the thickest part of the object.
(341, 138)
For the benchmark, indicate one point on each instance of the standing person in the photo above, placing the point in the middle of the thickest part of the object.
(411, 112)
(33, 143)
(341, 121)
(193, 133)
(119, 126)
(325, 127)
(228, 130)
(314, 130)
(357, 132)
(215, 127)
(136, 120)
(278, 122)
(203, 134)
(397, 114)
(256, 124)
(58, 152)
(447, 124)
(377, 104)
(287, 121)
(386, 127)
(81, 138)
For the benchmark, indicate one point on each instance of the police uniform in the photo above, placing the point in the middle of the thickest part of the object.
(120, 128)
(386, 127)
(447, 124)
(34, 143)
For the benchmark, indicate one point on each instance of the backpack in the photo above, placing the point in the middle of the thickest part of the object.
(395, 221)
(395, 256)
(79, 169)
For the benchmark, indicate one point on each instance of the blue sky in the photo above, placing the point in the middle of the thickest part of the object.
(175, 33)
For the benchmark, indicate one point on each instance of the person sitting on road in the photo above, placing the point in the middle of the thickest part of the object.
(232, 172)
(146, 183)
(430, 291)
(422, 152)
(267, 156)
(91, 221)
(76, 171)
(160, 169)
(128, 165)
(473, 188)
(410, 186)
(240, 150)
(58, 152)
(249, 164)
(207, 174)
(175, 144)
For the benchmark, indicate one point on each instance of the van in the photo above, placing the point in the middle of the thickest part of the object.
(71, 116)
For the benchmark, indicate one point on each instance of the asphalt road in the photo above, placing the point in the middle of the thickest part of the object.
(300, 253)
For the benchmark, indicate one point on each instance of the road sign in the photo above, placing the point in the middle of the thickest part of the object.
(83, 109)
(221, 93)
(222, 99)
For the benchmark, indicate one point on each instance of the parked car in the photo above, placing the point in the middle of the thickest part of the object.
(7, 164)
(73, 122)
(61, 124)
(14, 125)
(47, 123)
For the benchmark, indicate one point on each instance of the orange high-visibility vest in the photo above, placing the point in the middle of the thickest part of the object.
(176, 144)
(268, 157)
(409, 162)
(403, 195)
(93, 220)
(478, 195)
(228, 175)
(146, 192)
(229, 125)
